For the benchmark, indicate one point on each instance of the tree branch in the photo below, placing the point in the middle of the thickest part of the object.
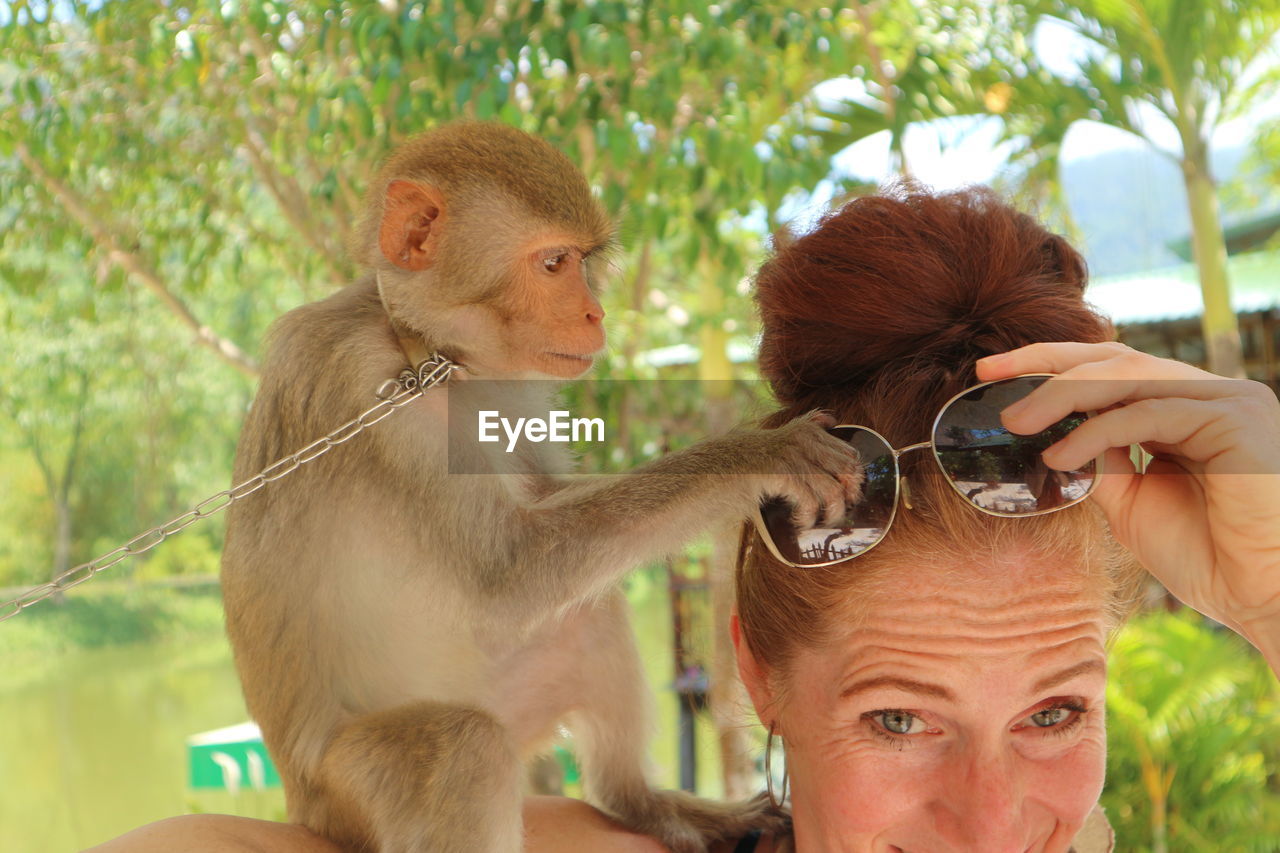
(33, 444)
(291, 200)
(886, 84)
(135, 266)
(77, 433)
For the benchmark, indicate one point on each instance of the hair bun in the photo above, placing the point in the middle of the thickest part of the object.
(910, 277)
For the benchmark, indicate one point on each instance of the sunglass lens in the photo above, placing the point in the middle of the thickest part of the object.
(997, 470)
(864, 523)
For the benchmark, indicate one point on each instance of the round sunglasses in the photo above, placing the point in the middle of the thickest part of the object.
(998, 472)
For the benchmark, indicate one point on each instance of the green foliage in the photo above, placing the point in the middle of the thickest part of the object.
(1193, 739)
(113, 414)
(927, 61)
(97, 619)
(195, 552)
(1198, 62)
(205, 162)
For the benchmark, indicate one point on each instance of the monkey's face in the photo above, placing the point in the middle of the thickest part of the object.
(511, 293)
(537, 315)
(551, 316)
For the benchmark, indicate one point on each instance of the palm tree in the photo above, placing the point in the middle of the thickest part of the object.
(1197, 63)
(1193, 720)
(920, 62)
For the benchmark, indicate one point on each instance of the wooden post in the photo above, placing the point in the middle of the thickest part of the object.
(1270, 370)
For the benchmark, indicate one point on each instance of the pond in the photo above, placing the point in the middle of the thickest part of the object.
(95, 745)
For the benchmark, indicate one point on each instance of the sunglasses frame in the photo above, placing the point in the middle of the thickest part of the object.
(899, 487)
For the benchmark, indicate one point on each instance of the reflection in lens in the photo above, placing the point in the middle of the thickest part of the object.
(863, 524)
(997, 470)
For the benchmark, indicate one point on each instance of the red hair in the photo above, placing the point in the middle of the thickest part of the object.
(878, 315)
(911, 285)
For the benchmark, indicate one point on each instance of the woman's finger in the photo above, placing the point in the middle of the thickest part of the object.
(1096, 386)
(1056, 357)
(1197, 430)
(1117, 478)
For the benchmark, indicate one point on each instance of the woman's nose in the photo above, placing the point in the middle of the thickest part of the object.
(982, 807)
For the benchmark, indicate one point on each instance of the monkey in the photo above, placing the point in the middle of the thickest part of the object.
(406, 636)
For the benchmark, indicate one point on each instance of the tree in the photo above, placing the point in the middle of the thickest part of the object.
(1194, 63)
(920, 62)
(211, 156)
(1193, 720)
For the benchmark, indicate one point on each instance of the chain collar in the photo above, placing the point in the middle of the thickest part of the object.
(423, 363)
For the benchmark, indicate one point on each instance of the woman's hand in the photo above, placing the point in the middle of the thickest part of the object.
(1204, 518)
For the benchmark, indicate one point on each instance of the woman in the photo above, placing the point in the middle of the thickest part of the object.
(943, 689)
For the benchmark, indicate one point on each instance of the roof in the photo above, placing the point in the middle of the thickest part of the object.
(1173, 293)
(740, 351)
(1241, 234)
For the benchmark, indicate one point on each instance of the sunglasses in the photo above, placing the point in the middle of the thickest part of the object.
(997, 471)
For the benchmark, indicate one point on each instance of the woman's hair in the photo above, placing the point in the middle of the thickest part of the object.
(877, 316)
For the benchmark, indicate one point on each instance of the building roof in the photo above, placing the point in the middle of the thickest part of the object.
(1173, 293)
(1241, 233)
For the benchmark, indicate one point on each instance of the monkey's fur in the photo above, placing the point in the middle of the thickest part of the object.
(406, 636)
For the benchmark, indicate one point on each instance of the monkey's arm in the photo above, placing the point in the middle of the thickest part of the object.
(579, 540)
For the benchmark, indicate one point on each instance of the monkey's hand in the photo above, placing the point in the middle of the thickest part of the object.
(816, 474)
(689, 824)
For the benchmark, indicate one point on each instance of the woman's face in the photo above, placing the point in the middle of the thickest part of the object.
(964, 713)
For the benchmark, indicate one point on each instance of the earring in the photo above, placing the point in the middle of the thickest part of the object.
(776, 802)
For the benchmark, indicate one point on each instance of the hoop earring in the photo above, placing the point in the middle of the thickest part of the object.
(776, 802)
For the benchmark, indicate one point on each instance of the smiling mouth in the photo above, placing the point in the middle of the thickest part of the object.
(570, 357)
(897, 849)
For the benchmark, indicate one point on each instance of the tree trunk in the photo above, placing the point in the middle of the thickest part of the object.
(61, 540)
(726, 694)
(1221, 332)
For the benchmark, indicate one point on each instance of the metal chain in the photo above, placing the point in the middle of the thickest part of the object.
(392, 394)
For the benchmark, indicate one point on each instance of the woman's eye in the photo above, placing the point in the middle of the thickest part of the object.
(554, 263)
(899, 722)
(1059, 719)
(1048, 717)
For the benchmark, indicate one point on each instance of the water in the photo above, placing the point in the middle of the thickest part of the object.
(96, 747)
(95, 744)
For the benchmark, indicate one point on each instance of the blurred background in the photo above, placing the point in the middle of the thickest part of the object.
(175, 175)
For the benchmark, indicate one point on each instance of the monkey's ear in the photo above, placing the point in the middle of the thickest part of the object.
(412, 219)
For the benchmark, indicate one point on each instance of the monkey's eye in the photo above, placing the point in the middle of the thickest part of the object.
(554, 263)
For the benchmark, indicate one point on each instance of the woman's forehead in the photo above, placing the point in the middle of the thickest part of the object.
(1006, 573)
(1006, 616)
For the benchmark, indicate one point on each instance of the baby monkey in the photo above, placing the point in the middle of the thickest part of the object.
(406, 636)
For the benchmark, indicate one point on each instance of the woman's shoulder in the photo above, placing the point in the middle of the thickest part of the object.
(552, 825)
(215, 833)
(565, 825)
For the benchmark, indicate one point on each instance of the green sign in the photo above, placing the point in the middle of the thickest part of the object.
(234, 758)
(230, 759)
